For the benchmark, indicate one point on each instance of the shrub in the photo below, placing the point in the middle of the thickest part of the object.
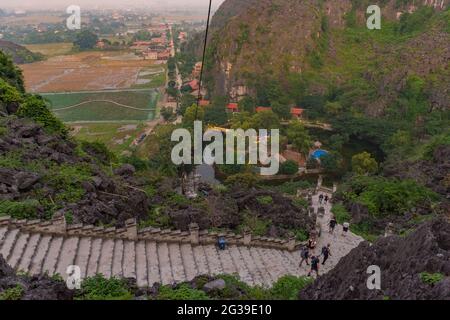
(34, 108)
(289, 167)
(182, 292)
(340, 213)
(26, 209)
(288, 287)
(431, 278)
(264, 200)
(15, 293)
(100, 288)
(98, 150)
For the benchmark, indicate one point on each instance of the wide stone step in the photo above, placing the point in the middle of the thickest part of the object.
(141, 264)
(164, 263)
(176, 263)
(30, 250)
(212, 257)
(52, 256)
(190, 266)
(265, 274)
(244, 274)
(129, 259)
(152, 263)
(18, 250)
(37, 260)
(82, 256)
(117, 270)
(106, 258)
(227, 262)
(8, 243)
(200, 260)
(252, 266)
(3, 232)
(94, 257)
(67, 256)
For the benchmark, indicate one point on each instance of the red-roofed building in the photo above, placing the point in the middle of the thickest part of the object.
(297, 112)
(261, 109)
(233, 107)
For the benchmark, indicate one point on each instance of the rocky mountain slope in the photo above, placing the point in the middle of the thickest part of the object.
(18, 53)
(327, 45)
(413, 267)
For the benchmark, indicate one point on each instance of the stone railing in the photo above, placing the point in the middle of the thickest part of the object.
(58, 226)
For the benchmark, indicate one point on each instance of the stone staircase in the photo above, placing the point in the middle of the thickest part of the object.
(43, 249)
(161, 256)
(147, 261)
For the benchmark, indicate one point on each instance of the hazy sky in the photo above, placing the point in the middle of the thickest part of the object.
(56, 4)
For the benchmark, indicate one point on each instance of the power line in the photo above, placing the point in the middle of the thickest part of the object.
(203, 60)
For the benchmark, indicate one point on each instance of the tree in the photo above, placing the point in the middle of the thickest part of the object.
(283, 111)
(364, 164)
(186, 101)
(289, 167)
(265, 120)
(167, 113)
(192, 114)
(247, 104)
(85, 40)
(10, 72)
(299, 137)
(216, 113)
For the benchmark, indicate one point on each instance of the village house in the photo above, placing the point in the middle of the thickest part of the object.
(297, 113)
(233, 107)
(150, 55)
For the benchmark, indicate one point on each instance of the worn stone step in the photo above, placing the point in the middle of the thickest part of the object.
(152, 263)
(3, 231)
(8, 243)
(141, 264)
(106, 258)
(129, 259)
(18, 250)
(67, 255)
(37, 260)
(190, 266)
(164, 263)
(212, 257)
(94, 257)
(227, 262)
(82, 256)
(200, 260)
(252, 266)
(242, 268)
(176, 263)
(288, 267)
(272, 262)
(30, 250)
(117, 270)
(257, 260)
(51, 259)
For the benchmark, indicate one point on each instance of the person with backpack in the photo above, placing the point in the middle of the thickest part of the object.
(320, 198)
(326, 253)
(326, 199)
(304, 254)
(332, 224)
(345, 228)
(314, 266)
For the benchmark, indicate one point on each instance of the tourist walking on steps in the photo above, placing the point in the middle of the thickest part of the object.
(320, 198)
(304, 254)
(314, 266)
(345, 228)
(326, 253)
(332, 224)
(326, 199)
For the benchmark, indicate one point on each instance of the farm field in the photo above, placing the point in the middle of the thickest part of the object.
(136, 105)
(51, 49)
(88, 71)
(117, 136)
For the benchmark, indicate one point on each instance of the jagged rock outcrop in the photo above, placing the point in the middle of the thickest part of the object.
(402, 260)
